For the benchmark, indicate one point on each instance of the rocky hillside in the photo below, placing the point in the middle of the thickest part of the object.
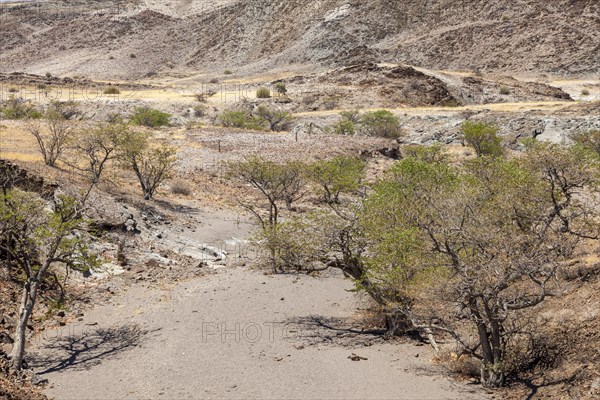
(130, 39)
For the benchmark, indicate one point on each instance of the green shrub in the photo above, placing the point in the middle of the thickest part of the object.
(429, 154)
(227, 72)
(381, 123)
(589, 140)
(48, 75)
(263, 93)
(585, 92)
(112, 90)
(274, 119)
(483, 137)
(344, 127)
(280, 88)
(16, 108)
(149, 117)
(240, 119)
(351, 115)
(337, 175)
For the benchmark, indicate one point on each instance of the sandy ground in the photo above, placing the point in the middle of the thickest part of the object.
(236, 334)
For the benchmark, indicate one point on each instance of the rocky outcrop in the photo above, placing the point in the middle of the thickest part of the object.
(12, 175)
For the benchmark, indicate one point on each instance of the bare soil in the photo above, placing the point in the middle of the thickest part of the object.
(237, 334)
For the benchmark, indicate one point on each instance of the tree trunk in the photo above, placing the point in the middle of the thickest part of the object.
(25, 311)
(492, 373)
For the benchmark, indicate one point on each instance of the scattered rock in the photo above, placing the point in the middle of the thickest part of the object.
(355, 357)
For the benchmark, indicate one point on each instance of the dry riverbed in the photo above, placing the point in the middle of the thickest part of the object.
(237, 334)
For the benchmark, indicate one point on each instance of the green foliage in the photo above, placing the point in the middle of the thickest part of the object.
(276, 120)
(337, 175)
(280, 88)
(429, 154)
(149, 117)
(275, 184)
(589, 140)
(381, 123)
(291, 245)
(263, 118)
(347, 124)
(152, 164)
(97, 145)
(240, 119)
(344, 127)
(263, 93)
(17, 108)
(39, 238)
(483, 137)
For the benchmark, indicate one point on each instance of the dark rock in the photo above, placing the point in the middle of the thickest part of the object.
(36, 380)
(5, 338)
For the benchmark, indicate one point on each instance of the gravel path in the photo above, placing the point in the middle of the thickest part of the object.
(236, 334)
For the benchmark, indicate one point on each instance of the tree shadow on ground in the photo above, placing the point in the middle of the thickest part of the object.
(82, 351)
(316, 329)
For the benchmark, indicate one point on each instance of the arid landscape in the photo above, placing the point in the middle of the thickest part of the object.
(283, 199)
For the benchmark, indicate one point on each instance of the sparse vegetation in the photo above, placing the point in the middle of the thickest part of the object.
(240, 119)
(39, 238)
(53, 134)
(263, 93)
(336, 176)
(18, 108)
(180, 187)
(381, 123)
(97, 145)
(483, 137)
(152, 164)
(585, 92)
(263, 118)
(112, 90)
(280, 88)
(434, 245)
(347, 124)
(504, 90)
(149, 117)
(277, 120)
(588, 140)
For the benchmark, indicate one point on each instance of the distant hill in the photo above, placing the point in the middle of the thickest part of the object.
(133, 38)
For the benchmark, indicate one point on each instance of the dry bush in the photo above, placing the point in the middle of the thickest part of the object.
(263, 93)
(112, 90)
(180, 187)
